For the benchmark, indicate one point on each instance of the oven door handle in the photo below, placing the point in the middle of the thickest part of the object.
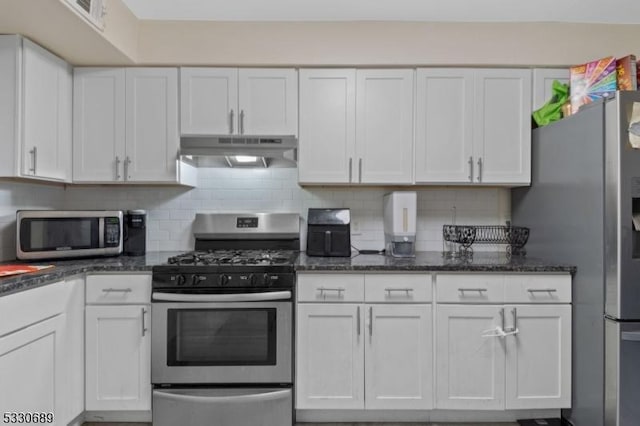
(239, 297)
(252, 397)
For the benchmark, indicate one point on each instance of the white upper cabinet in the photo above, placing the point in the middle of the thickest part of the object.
(98, 126)
(327, 125)
(208, 101)
(251, 101)
(151, 127)
(473, 126)
(444, 125)
(543, 81)
(502, 137)
(356, 126)
(126, 126)
(35, 112)
(384, 126)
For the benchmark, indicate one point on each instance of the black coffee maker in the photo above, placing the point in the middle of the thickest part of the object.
(329, 232)
(135, 233)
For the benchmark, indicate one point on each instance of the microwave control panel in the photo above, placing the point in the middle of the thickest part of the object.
(111, 232)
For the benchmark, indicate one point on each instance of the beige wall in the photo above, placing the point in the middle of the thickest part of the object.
(128, 41)
(381, 43)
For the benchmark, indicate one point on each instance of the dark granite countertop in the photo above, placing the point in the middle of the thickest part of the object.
(67, 268)
(431, 261)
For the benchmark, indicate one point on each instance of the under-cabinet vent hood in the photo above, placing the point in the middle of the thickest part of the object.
(221, 151)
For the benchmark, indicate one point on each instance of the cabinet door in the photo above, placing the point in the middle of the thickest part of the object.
(327, 126)
(444, 125)
(502, 135)
(538, 373)
(73, 352)
(152, 139)
(46, 147)
(384, 126)
(543, 81)
(118, 361)
(268, 100)
(208, 101)
(329, 356)
(398, 357)
(469, 367)
(31, 369)
(98, 124)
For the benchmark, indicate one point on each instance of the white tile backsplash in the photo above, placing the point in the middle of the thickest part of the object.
(171, 210)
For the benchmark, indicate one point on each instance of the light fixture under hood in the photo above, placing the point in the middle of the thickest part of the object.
(236, 151)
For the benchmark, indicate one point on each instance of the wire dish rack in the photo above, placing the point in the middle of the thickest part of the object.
(515, 237)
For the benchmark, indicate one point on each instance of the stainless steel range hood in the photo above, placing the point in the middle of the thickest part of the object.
(222, 150)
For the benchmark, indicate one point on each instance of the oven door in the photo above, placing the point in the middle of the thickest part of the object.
(229, 341)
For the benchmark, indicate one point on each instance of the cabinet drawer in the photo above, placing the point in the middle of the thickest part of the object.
(537, 288)
(331, 288)
(470, 288)
(118, 289)
(397, 288)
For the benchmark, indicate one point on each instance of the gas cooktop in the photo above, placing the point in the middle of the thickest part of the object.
(235, 257)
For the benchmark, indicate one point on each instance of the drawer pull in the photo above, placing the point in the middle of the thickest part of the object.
(479, 290)
(116, 290)
(542, 290)
(337, 289)
(405, 290)
(358, 320)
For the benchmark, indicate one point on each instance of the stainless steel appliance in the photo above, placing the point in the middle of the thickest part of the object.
(135, 233)
(582, 209)
(329, 232)
(51, 234)
(222, 317)
(400, 223)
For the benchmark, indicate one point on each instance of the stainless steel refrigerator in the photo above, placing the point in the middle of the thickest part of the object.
(581, 205)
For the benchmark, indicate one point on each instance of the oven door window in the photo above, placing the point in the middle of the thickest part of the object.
(203, 337)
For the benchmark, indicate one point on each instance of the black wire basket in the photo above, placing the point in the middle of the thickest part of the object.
(515, 237)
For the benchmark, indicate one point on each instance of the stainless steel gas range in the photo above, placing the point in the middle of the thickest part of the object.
(222, 324)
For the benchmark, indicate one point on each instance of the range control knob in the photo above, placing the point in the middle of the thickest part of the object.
(223, 279)
(197, 279)
(265, 280)
(252, 280)
(180, 279)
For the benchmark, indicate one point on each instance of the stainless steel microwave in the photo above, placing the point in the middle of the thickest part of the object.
(49, 234)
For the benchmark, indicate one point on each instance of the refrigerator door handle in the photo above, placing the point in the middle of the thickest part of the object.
(631, 336)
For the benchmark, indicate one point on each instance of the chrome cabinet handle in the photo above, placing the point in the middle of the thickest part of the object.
(339, 290)
(514, 312)
(350, 168)
(480, 169)
(360, 170)
(116, 290)
(34, 155)
(371, 322)
(390, 290)
(241, 122)
(127, 162)
(231, 122)
(144, 327)
(542, 290)
(502, 319)
(118, 167)
(358, 320)
(479, 290)
(470, 169)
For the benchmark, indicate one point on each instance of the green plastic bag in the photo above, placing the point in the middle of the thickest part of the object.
(552, 110)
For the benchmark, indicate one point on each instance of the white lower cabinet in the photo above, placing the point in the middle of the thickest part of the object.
(469, 367)
(31, 372)
(118, 344)
(363, 355)
(503, 356)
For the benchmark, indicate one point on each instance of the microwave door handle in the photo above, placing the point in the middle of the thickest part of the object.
(101, 232)
(327, 242)
(249, 397)
(240, 297)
